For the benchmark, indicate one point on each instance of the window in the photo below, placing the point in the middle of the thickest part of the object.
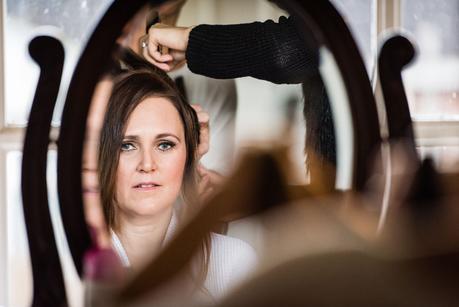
(432, 82)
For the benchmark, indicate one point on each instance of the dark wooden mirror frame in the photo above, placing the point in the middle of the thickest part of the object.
(395, 53)
(48, 282)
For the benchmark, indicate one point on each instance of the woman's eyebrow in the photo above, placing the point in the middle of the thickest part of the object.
(131, 137)
(163, 135)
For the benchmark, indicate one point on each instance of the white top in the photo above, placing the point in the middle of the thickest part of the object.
(231, 260)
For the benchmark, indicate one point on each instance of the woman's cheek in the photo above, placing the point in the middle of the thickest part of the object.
(175, 166)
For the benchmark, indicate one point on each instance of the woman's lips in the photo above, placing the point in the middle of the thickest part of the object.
(146, 186)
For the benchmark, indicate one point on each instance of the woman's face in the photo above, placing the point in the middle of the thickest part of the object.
(152, 159)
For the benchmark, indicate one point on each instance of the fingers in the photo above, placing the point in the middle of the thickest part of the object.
(209, 182)
(178, 56)
(164, 66)
(204, 183)
(204, 187)
(158, 43)
(166, 62)
(203, 116)
(164, 46)
(150, 51)
(215, 178)
(196, 107)
(171, 37)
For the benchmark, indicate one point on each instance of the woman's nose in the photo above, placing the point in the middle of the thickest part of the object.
(147, 162)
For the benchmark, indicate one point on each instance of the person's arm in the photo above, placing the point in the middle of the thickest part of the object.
(264, 50)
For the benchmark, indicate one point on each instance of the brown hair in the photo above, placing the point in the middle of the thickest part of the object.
(138, 81)
(129, 90)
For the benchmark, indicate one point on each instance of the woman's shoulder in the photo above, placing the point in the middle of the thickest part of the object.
(231, 261)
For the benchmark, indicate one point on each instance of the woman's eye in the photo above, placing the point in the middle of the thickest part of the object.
(164, 146)
(127, 147)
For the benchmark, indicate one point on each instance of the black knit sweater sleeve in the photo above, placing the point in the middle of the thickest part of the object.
(266, 50)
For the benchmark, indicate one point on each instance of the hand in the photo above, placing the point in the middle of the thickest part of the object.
(165, 46)
(209, 182)
(204, 136)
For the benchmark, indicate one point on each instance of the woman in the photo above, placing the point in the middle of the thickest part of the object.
(147, 162)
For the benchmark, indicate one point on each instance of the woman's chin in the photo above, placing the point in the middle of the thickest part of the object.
(150, 208)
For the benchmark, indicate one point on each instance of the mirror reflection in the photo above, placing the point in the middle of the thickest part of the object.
(169, 121)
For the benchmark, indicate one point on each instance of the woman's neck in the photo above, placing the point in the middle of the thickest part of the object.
(142, 237)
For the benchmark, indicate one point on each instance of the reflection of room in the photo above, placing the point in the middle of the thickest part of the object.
(263, 112)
